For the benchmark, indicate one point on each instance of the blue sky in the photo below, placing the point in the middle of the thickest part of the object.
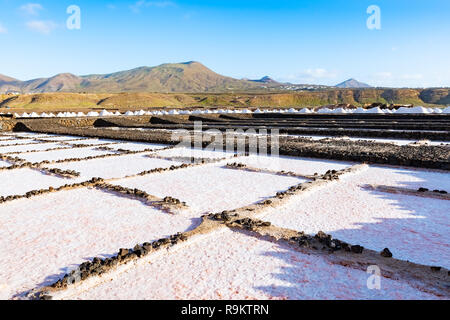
(316, 41)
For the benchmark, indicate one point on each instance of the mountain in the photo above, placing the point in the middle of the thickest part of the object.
(6, 79)
(179, 77)
(266, 79)
(186, 77)
(352, 83)
(61, 82)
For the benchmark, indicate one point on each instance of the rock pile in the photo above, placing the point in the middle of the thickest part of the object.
(435, 191)
(386, 253)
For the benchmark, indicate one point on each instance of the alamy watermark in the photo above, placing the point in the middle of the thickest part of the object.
(74, 20)
(374, 20)
(374, 280)
(250, 141)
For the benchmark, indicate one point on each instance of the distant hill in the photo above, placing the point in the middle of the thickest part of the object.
(352, 83)
(176, 77)
(266, 79)
(4, 79)
(126, 101)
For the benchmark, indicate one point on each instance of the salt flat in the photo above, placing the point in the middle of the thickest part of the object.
(212, 187)
(18, 141)
(196, 153)
(136, 146)
(399, 142)
(407, 178)
(31, 147)
(48, 235)
(92, 141)
(45, 237)
(20, 181)
(115, 167)
(233, 265)
(304, 166)
(413, 228)
(62, 138)
(63, 154)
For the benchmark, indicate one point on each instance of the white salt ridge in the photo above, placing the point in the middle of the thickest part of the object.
(413, 228)
(375, 110)
(360, 110)
(234, 265)
(61, 230)
(341, 110)
(417, 109)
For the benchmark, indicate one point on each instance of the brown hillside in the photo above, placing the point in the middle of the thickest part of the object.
(126, 101)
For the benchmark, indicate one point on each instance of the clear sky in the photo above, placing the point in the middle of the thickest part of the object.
(314, 41)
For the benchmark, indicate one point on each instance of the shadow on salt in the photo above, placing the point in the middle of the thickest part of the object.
(413, 228)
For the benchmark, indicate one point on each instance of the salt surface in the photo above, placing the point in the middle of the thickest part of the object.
(136, 146)
(18, 141)
(92, 141)
(31, 147)
(234, 265)
(413, 228)
(43, 238)
(4, 164)
(305, 166)
(61, 138)
(115, 167)
(399, 142)
(211, 187)
(63, 154)
(197, 153)
(20, 181)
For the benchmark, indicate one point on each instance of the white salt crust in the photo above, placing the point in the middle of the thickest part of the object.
(234, 265)
(413, 228)
(63, 154)
(20, 181)
(18, 141)
(212, 187)
(44, 237)
(115, 167)
(136, 146)
(305, 166)
(31, 147)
